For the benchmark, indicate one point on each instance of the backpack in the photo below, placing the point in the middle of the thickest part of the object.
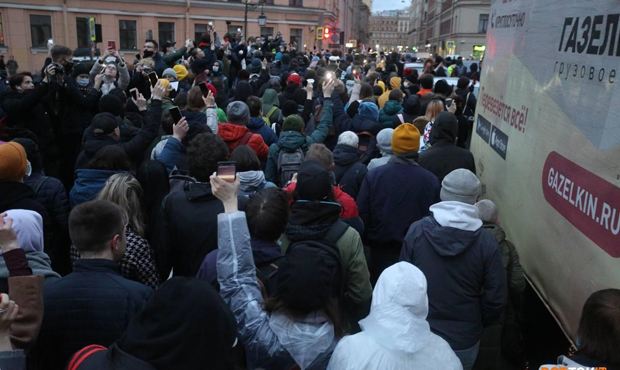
(367, 146)
(330, 254)
(467, 111)
(244, 140)
(80, 356)
(268, 117)
(288, 164)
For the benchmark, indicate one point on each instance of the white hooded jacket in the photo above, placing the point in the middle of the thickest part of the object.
(395, 335)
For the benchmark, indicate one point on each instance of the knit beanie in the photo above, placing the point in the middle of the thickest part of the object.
(104, 123)
(460, 185)
(384, 140)
(381, 84)
(111, 104)
(405, 139)
(294, 122)
(487, 210)
(294, 78)
(169, 72)
(348, 138)
(395, 82)
(368, 110)
(313, 181)
(13, 162)
(181, 71)
(238, 112)
(255, 66)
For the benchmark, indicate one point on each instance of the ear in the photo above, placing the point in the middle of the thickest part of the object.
(115, 242)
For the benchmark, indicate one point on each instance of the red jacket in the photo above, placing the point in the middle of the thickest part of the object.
(235, 135)
(349, 207)
(423, 92)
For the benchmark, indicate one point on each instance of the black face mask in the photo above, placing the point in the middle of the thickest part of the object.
(148, 54)
(68, 66)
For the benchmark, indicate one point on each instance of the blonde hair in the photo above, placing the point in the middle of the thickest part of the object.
(434, 107)
(124, 190)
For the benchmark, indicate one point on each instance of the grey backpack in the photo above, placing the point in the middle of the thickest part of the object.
(288, 164)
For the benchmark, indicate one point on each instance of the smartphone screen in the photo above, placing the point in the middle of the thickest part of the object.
(112, 45)
(204, 89)
(153, 78)
(226, 171)
(175, 113)
(448, 102)
(134, 93)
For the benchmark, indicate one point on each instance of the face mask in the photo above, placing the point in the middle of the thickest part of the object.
(82, 82)
(216, 68)
(148, 54)
(28, 169)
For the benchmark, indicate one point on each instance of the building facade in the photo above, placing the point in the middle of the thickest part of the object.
(448, 27)
(26, 25)
(389, 30)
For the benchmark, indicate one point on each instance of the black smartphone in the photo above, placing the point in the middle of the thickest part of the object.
(204, 88)
(226, 171)
(175, 113)
(153, 78)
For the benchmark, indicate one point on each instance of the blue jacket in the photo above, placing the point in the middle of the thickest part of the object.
(88, 183)
(92, 305)
(258, 126)
(394, 196)
(463, 267)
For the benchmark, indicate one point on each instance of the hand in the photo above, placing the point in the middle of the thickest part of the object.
(141, 102)
(309, 90)
(263, 63)
(50, 70)
(98, 81)
(8, 238)
(180, 129)
(8, 313)
(452, 107)
(158, 92)
(189, 44)
(209, 100)
(226, 192)
(328, 88)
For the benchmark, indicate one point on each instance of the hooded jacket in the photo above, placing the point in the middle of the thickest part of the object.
(272, 341)
(444, 156)
(258, 126)
(232, 134)
(389, 112)
(350, 172)
(411, 110)
(290, 141)
(463, 266)
(366, 119)
(270, 100)
(395, 335)
(88, 183)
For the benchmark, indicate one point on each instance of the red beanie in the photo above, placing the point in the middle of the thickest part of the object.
(294, 78)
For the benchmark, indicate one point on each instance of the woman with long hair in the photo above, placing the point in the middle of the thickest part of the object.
(434, 107)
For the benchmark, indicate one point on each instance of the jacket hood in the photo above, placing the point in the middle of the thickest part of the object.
(195, 118)
(445, 129)
(13, 192)
(392, 107)
(455, 228)
(411, 106)
(270, 98)
(368, 110)
(291, 140)
(256, 123)
(88, 182)
(362, 123)
(305, 339)
(93, 144)
(38, 261)
(345, 155)
(230, 132)
(198, 191)
(28, 226)
(497, 231)
(397, 318)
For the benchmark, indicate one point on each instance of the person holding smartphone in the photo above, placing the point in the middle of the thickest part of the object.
(113, 68)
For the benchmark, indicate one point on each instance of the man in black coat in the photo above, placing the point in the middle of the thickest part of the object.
(444, 156)
(349, 171)
(190, 215)
(93, 304)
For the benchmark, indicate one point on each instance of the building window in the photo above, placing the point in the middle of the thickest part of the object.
(40, 30)
(1, 31)
(199, 30)
(127, 35)
(483, 21)
(296, 3)
(296, 34)
(268, 2)
(266, 31)
(166, 32)
(233, 29)
(82, 32)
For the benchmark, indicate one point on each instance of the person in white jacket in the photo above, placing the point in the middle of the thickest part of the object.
(395, 335)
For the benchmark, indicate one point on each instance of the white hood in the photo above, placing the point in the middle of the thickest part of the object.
(457, 215)
(399, 308)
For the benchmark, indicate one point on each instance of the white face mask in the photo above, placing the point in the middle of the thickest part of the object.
(28, 169)
(216, 68)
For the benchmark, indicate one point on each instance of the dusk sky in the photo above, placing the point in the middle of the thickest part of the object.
(389, 4)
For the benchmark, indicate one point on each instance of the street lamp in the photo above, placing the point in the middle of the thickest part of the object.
(262, 19)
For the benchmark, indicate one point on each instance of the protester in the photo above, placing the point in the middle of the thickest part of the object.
(100, 301)
(114, 70)
(462, 263)
(349, 170)
(248, 167)
(396, 335)
(236, 132)
(257, 123)
(384, 143)
(386, 209)
(299, 324)
(391, 109)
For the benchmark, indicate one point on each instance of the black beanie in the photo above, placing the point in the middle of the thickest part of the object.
(111, 104)
(314, 182)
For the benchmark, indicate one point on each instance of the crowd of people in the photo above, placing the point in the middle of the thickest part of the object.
(233, 205)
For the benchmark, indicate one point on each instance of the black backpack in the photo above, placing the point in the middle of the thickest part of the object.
(327, 247)
(288, 164)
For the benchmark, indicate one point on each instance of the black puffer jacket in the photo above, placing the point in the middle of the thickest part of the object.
(350, 172)
(92, 305)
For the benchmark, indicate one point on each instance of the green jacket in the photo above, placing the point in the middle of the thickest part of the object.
(389, 112)
(357, 291)
(292, 140)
